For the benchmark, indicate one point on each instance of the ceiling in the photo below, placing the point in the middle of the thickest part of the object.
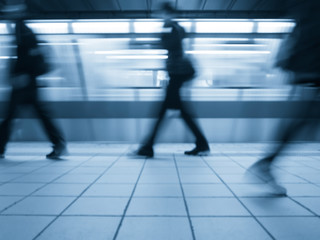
(146, 8)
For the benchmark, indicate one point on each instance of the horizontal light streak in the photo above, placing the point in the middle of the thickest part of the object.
(212, 52)
(138, 57)
(132, 52)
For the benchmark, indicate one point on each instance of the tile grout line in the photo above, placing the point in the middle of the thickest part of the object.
(150, 197)
(156, 216)
(57, 216)
(254, 217)
(294, 174)
(289, 197)
(129, 201)
(278, 167)
(300, 204)
(184, 199)
(44, 185)
(22, 162)
(24, 174)
(308, 182)
(305, 207)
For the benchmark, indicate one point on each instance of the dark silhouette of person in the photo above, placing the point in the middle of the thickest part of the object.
(179, 70)
(24, 71)
(299, 54)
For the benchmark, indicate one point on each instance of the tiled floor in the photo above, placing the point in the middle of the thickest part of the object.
(100, 192)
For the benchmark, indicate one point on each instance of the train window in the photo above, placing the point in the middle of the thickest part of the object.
(101, 27)
(3, 28)
(147, 26)
(93, 56)
(275, 27)
(224, 27)
(49, 27)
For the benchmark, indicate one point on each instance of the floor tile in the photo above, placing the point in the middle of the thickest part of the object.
(97, 206)
(119, 178)
(314, 178)
(157, 207)
(5, 177)
(160, 171)
(206, 178)
(87, 170)
(229, 170)
(216, 207)
(274, 207)
(37, 178)
(160, 178)
(312, 203)
(294, 228)
(54, 170)
(40, 206)
(240, 178)
(206, 190)
(81, 228)
(155, 228)
(22, 227)
(158, 190)
(302, 190)
(195, 171)
(20, 169)
(240, 228)
(77, 178)
(19, 189)
(7, 201)
(61, 189)
(289, 178)
(115, 190)
(123, 170)
(158, 164)
(251, 190)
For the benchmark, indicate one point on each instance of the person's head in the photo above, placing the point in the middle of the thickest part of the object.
(167, 10)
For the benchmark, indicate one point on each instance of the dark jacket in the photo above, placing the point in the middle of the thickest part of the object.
(27, 61)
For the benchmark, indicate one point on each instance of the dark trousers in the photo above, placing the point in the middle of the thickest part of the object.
(28, 97)
(173, 101)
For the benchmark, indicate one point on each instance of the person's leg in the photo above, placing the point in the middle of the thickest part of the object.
(147, 148)
(53, 133)
(262, 168)
(5, 126)
(202, 146)
(304, 114)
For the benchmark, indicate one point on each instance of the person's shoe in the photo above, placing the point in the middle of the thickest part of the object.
(57, 152)
(199, 151)
(277, 190)
(261, 169)
(145, 151)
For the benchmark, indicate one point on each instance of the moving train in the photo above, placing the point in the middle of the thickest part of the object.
(108, 77)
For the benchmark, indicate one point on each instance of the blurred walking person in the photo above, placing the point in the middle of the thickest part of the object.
(180, 70)
(299, 54)
(30, 63)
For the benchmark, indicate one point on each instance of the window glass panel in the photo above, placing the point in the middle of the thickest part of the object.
(100, 27)
(224, 27)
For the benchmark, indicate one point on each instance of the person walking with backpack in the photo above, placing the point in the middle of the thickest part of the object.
(25, 69)
(180, 70)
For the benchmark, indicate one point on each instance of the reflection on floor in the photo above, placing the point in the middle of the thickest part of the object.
(99, 192)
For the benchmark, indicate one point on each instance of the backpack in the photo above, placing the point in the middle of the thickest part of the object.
(181, 66)
(40, 56)
(32, 57)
